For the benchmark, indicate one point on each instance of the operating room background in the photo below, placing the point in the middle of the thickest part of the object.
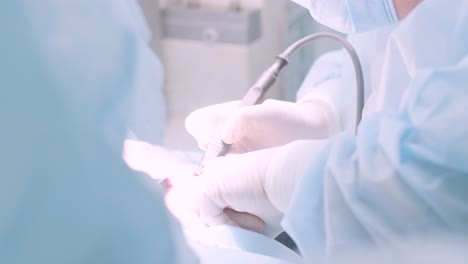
(201, 71)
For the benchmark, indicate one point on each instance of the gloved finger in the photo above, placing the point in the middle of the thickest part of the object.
(240, 124)
(246, 220)
(214, 215)
(271, 124)
(203, 123)
(254, 123)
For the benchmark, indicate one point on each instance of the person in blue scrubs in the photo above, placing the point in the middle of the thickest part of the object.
(402, 176)
(69, 69)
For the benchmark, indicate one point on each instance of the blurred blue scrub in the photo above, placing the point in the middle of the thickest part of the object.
(147, 117)
(68, 71)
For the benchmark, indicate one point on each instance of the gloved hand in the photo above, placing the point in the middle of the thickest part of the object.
(260, 183)
(181, 189)
(271, 124)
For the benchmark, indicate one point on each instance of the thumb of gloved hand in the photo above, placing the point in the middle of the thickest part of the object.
(271, 124)
(205, 122)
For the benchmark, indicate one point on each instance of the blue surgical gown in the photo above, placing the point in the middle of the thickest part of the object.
(67, 73)
(404, 175)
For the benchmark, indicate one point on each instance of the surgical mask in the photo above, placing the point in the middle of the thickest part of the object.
(350, 16)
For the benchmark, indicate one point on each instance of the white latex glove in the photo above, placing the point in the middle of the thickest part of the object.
(182, 189)
(260, 183)
(271, 124)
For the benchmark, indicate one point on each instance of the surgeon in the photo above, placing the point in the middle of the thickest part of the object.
(68, 70)
(326, 101)
(402, 176)
(326, 105)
